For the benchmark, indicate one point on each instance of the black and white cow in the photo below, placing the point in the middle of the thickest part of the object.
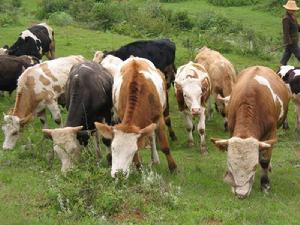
(37, 41)
(11, 67)
(161, 53)
(88, 99)
(291, 76)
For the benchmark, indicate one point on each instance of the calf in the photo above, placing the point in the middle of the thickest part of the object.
(88, 99)
(192, 88)
(11, 68)
(222, 76)
(139, 98)
(39, 87)
(258, 105)
(291, 76)
(162, 54)
(37, 41)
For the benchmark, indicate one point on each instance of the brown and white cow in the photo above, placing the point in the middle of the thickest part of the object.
(38, 88)
(139, 98)
(258, 106)
(192, 88)
(222, 76)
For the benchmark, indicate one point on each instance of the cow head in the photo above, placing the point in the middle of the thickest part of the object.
(191, 90)
(222, 104)
(11, 129)
(125, 143)
(65, 145)
(284, 72)
(242, 159)
(98, 56)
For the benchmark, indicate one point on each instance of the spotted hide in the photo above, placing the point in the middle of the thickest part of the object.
(222, 76)
(88, 99)
(36, 41)
(192, 88)
(38, 88)
(139, 99)
(291, 76)
(257, 106)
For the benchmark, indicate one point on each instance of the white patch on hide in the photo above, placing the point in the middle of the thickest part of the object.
(27, 33)
(263, 81)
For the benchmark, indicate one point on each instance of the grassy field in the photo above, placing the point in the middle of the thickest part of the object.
(32, 191)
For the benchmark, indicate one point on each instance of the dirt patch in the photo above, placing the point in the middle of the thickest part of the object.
(135, 215)
(213, 221)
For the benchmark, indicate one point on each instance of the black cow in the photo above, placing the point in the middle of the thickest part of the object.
(37, 41)
(11, 67)
(88, 99)
(162, 54)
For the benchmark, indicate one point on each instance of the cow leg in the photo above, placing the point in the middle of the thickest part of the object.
(201, 130)
(55, 112)
(225, 124)
(67, 158)
(97, 145)
(209, 109)
(136, 160)
(154, 153)
(168, 120)
(264, 161)
(52, 50)
(297, 109)
(164, 145)
(188, 119)
(43, 118)
(285, 124)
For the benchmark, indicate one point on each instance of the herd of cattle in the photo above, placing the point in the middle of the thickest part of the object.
(122, 96)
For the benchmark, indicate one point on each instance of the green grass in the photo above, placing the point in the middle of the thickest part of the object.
(27, 175)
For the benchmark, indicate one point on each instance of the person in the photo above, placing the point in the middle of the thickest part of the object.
(290, 32)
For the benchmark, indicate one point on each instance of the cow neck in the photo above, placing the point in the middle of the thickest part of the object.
(132, 100)
(25, 103)
(247, 123)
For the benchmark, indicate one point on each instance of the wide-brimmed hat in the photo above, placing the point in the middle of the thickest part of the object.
(291, 5)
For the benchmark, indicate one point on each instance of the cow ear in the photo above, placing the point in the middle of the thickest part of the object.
(266, 145)
(147, 131)
(105, 130)
(179, 96)
(224, 100)
(47, 133)
(222, 144)
(77, 129)
(26, 119)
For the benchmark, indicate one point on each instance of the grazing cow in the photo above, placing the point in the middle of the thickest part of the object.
(161, 53)
(222, 76)
(291, 76)
(11, 68)
(110, 62)
(258, 105)
(37, 41)
(38, 88)
(89, 99)
(139, 98)
(192, 88)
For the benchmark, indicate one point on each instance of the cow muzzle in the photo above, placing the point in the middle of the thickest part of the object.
(196, 111)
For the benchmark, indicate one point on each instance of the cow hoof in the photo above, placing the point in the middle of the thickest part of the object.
(173, 167)
(203, 150)
(173, 136)
(190, 144)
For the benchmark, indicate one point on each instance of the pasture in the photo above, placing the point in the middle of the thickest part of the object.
(33, 191)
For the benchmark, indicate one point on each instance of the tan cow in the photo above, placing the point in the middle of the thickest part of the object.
(192, 88)
(222, 76)
(38, 88)
(257, 107)
(139, 98)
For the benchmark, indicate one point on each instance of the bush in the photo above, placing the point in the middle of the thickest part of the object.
(46, 7)
(81, 9)
(228, 3)
(60, 19)
(181, 20)
(6, 19)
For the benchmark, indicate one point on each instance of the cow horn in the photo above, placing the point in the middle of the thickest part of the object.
(265, 145)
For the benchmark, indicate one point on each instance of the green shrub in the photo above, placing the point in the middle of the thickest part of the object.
(46, 7)
(6, 19)
(181, 20)
(228, 3)
(60, 19)
(81, 9)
